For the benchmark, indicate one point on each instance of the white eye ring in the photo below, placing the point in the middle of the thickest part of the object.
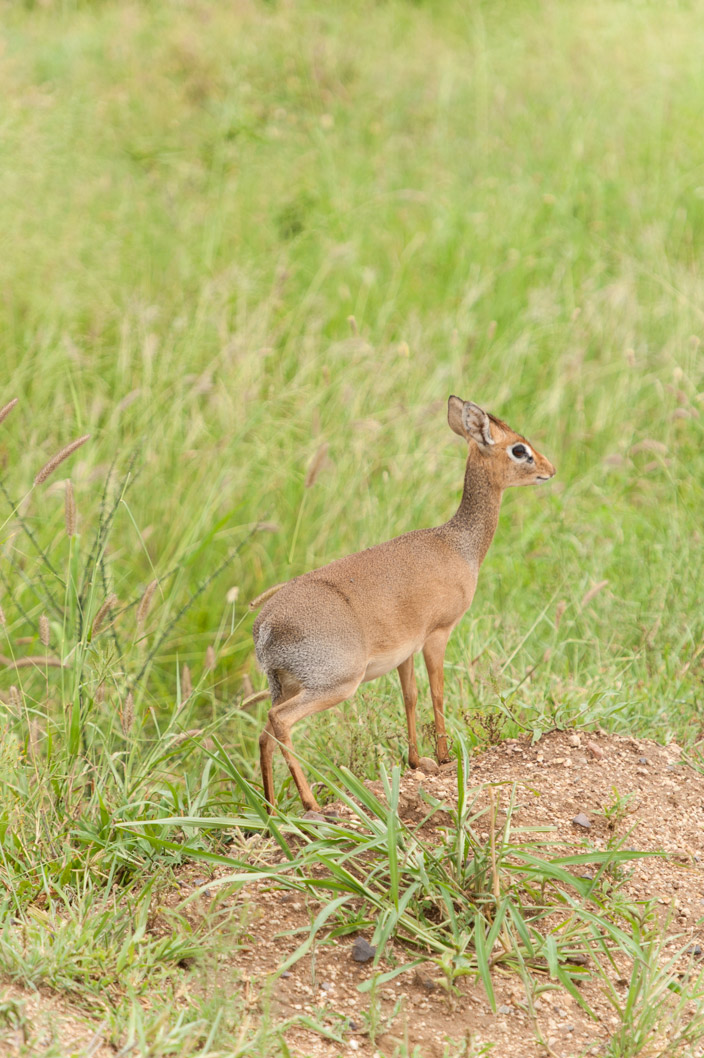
(525, 457)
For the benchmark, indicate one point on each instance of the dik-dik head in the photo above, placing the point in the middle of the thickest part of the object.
(509, 458)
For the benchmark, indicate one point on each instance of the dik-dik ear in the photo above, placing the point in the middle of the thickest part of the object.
(469, 420)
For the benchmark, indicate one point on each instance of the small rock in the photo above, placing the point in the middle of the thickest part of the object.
(695, 950)
(576, 959)
(580, 820)
(643, 760)
(317, 816)
(428, 765)
(352, 1025)
(424, 981)
(588, 876)
(569, 1028)
(286, 973)
(504, 1009)
(596, 751)
(574, 740)
(326, 986)
(362, 951)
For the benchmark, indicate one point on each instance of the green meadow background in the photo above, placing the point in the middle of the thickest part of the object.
(234, 233)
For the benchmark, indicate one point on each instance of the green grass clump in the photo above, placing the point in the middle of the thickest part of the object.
(235, 234)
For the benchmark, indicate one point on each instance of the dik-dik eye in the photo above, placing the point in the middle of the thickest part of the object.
(521, 453)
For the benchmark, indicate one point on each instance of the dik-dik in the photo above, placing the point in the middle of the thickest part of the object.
(322, 634)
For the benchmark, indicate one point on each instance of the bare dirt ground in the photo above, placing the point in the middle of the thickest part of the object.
(653, 798)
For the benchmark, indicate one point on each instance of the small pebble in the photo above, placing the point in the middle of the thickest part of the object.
(581, 820)
(428, 765)
(317, 816)
(574, 740)
(596, 751)
(362, 951)
(504, 1009)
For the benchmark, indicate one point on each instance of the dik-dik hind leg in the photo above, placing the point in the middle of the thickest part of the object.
(267, 745)
(407, 676)
(282, 717)
(434, 656)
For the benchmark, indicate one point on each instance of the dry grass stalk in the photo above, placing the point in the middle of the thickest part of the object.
(268, 527)
(559, 612)
(99, 696)
(3, 619)
(70, 509)
(102, 613)
(209, 659)
(186, 683)
(247, 685)
(4, 412)
(143, 608)
(316, 465)
(15, 700)
(33, 661)
(185, 735)
(258, 696)
(127, 714)
(44, 632)
(58, 459)
(261, 599)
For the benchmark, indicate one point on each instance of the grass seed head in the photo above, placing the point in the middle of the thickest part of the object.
(15, 700)
(316, 465)
(186, 683)
(4, 412)
(209, 659)
(70, 509)
(58, 459)
(3, 619)
(44, 632)
(127, 714)
(143, 608)
(103, 612)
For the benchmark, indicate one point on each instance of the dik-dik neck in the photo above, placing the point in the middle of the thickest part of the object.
(474, 524)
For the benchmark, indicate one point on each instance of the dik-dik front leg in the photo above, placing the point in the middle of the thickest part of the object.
(434, 657)
(407, 676)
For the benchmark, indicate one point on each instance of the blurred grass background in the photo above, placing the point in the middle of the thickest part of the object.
(507, 199)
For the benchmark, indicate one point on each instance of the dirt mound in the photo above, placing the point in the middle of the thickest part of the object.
(620, 791)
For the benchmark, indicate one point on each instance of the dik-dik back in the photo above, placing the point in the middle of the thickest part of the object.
(321, 635)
